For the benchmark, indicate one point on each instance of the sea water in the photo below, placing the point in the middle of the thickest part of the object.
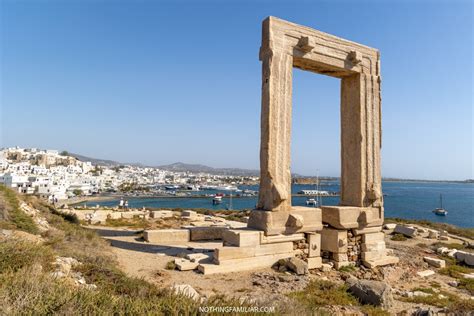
(410, 200)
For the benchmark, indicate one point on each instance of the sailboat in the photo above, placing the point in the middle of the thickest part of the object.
(440, 210)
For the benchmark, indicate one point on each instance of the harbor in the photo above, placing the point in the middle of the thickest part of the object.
(408, 200)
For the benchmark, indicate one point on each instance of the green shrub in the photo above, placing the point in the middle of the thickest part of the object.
(170, 265)
(398, 237)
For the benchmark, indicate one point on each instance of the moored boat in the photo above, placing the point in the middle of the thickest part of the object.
(440, 210)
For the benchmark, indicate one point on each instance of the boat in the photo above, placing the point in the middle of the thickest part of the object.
(217, 199)
(440, 210)
(311, 202)
(172, 187)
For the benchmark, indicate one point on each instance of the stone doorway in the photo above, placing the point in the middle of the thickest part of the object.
(285, 46)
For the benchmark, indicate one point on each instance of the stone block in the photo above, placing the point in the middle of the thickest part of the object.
(425, 273)
(207, 232)
(243, 264)
(228, 253)
(280, 238)
(380, 262)
(371, 216)
(340, 257)
(198, 257)
(286, 222)
(373, 255)
(342, 217)
(314, 262)
(373, 246)
(167, 236)
(405, 230)
(185, 265)
(389, 226)
(241, 237)
(373, 238)
(367, 230)
(334, 240)
(314, 244)
(161, 214)
(435, 262)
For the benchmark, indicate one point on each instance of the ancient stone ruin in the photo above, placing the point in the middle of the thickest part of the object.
(348, 234)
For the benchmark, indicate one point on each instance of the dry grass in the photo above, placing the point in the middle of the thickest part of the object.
(12, 216)
(27, 288)
(451, 302)
(17, 254)
(323, 293)
(398, 237)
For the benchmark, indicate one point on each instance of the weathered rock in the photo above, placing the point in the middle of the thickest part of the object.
(438, 263)
(371, 292)
(186, 290)
(453, 283)
(325, 267)
(442, 250)
(466, 257)
(425, 273)
(185, 265)
(452, 253)
(433, 234)
(405, 230)
(389, 226)
(297, 265)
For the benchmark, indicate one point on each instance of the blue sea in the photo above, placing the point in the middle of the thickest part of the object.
(410, 200)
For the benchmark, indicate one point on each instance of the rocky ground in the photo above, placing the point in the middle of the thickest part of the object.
(289, 286)
(142, 259)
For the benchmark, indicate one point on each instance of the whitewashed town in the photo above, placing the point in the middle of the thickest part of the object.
(56, 175)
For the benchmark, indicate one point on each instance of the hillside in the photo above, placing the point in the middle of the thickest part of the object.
(51, 263)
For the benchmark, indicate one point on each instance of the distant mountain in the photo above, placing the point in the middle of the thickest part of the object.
(96, 161)
(196, 168)
(177, 167)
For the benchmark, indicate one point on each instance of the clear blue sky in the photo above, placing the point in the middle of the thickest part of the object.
(158, 82)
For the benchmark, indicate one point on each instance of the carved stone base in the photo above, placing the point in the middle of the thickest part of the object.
(299, 220)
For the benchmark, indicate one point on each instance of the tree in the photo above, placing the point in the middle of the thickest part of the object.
(64, 153)
(77, 192)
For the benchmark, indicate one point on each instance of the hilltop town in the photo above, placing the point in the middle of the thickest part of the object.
(57, 176)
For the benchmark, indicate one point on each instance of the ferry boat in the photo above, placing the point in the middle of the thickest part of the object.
(440, 210)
